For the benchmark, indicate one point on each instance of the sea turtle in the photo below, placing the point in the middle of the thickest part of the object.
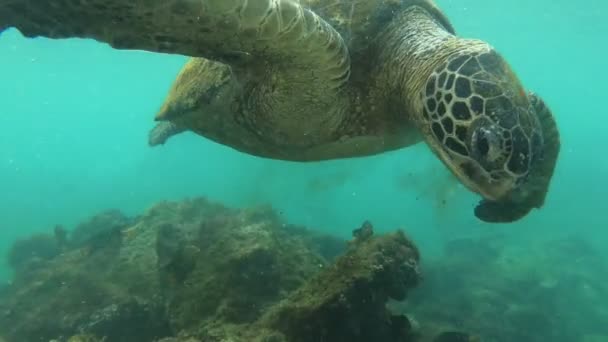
(314, 80)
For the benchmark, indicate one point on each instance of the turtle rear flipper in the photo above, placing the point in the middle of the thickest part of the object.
(162, 132)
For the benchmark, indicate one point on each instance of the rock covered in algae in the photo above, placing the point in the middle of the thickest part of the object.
(84, 290)
(235, 263)
(347, 300)
(37, 248)
(185, 271)
(196, 271)
(99, 226)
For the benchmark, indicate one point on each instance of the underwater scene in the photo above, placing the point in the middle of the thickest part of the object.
(303, 171)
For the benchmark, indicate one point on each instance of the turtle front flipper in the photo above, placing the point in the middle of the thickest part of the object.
(197, 28)
(291, 64)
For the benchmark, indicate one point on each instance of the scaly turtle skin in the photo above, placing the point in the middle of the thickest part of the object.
(323, 79)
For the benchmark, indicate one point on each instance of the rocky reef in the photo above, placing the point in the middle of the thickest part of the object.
(509, 290)
(198, 271)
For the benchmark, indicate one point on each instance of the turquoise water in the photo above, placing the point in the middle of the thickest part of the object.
(75, 116)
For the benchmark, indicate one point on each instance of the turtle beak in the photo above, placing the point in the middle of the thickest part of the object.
(501, 212)
(530, 194)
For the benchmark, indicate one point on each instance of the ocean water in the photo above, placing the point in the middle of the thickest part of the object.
(75, 114)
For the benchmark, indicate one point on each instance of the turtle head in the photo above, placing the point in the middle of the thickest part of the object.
(489, 132)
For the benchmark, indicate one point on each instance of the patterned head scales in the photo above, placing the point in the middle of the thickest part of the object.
(482, 122)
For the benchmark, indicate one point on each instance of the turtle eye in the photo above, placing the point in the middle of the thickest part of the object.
(483, 146)
(486, 144)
